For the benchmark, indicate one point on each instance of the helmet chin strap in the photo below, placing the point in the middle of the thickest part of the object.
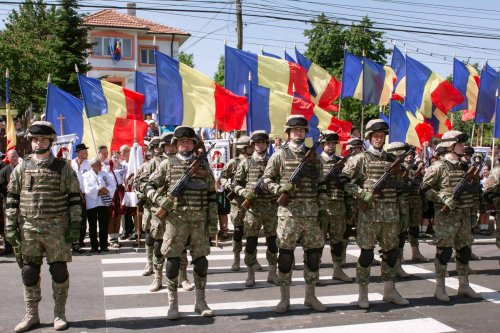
(41, 151)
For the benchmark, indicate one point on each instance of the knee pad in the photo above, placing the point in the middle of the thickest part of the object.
(402, 239)
(285, 260)
(200, 266)
(464, 255)
(366, 257)
(172, 267)
(59, 271)
(157, 248)
(271, 244)
(390, 257)
(337, 249)
(30, 274)
(444, 254)
(149, 239)
(251, 246)
(313, 259)
(238, 234)
(414, 231)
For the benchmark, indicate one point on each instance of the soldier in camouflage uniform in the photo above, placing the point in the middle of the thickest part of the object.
(43, 217)
(332, 216)
(468, 160)
(492, 196)
(380, 221)
(237, 212)
(453, 227)
(262, 210)
(298, 219)
(416, 171)
(354, 146)
(139, 183)
(192, 216)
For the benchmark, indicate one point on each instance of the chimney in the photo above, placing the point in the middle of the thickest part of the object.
(131, 8)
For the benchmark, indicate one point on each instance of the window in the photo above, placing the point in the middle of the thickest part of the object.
(101, 46)
(147, 56)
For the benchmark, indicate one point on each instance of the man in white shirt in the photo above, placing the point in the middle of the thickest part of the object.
(81, 165)
(99, 188)
(103, 154)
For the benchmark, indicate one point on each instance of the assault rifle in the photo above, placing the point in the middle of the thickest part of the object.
(179, 186)
(336, 169)
(255, 189)
(469, 179)
(297, 173)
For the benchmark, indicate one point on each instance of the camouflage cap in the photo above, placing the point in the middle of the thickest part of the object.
(43, 129)
(185, 132)
(296, 121)
(243, 141)
(354, 142)
(259, 135)
(397, 148)
(166, 138)
(376, 125)
(330, 136)
(155, 141)
(451, 137)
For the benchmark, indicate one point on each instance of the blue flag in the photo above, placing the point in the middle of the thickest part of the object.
(146, 85)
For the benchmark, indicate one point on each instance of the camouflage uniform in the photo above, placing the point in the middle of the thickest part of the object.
(237, 213)
(332, 215)
(44, 210)
(260, 214)
(380, 221)
(491, 193)
(453, 228)
(191, 217)
(299, 219)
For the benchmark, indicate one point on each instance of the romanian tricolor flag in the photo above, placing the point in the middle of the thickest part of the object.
(146, 84)
(10, 129)
(276, 74)
(496, 130)
(425, 89)
(352, 77)
(406, 127)
(111, 112)
(398, 64)
(325, 87)
(466, 80)
(188, 97)
(439, 122)
(490, 83)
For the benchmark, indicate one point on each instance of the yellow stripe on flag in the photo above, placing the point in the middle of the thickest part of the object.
(358, 93)
(411, 135)
(102, 127)
(401, 87)
(442, 118)
(431, 84)
(273, 73)
(280, 107)
(324, 118)
(117, 105)
(10, 129)
(472, 90)
(198, 98)
(386, 95)
(320, 79)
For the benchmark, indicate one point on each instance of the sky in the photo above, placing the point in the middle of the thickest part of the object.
(477, 24)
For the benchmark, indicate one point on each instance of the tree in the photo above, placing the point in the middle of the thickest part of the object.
(37, 40)
(219, 75)
(186, 59)
(326, 48)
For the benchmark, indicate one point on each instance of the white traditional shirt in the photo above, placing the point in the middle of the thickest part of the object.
(80, 170)
(92, 183)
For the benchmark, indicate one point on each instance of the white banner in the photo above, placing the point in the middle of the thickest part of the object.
(219, 155)
(64, 146)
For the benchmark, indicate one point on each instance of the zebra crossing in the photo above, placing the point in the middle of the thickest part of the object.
(127, 297)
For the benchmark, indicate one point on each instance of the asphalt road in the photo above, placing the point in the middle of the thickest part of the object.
(108, 294)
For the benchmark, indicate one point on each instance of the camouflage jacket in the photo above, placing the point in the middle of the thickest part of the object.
(143, 174)
(492, 186)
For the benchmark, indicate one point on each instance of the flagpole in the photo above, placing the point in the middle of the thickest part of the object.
(342, 79)
(362, 95)
(135, 121)
(85, 110)
(481, 139)
(472, 134)
(493, 136)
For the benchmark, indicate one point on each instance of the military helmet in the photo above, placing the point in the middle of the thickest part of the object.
(154, 142)
(259, 135)
(242, 142)
(43, 129)
(354, 142)
(397, 148)
(166, 138)
(296, 121)
(185, 132)
(469, 151)
(376, 125)
(451, 137)
(330, 136)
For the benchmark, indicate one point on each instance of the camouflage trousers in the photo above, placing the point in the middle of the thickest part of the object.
(351, 211)
(497, 221)
(261, 215)
(51, 242)
(290, 230)
(387, 235)
(237, 215)
(452, 230)
(333, 225)
(33, 294)
(181, 228)
(415, 216)
(146, 218)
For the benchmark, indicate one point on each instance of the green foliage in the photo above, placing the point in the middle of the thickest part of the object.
(186, 59)
(39, 39)
(326, 48)
(219, 75)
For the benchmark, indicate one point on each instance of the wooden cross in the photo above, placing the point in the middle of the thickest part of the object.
(61, 118)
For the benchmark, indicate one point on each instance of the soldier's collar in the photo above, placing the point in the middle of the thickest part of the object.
(184, 158)
(374, 151)
(327, 157)
(296, 148)
(451, 160)
(258, 158)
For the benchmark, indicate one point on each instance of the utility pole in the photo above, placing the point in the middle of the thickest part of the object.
(239, 24)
